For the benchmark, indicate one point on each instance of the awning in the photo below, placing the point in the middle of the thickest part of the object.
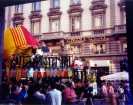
(116, 76)
(17, 39)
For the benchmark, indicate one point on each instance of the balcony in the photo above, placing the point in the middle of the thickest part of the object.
(98, 31)
(89, 33)
(88, 51)
(101, 31)
(118, 29)
(52, 35)
(99, 52)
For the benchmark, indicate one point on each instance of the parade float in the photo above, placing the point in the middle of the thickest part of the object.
(18, 45)
(22, 62)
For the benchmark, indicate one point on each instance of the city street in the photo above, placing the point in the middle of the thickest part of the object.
(61, 51)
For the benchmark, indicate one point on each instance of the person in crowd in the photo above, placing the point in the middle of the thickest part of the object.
(22, 95)
(69, 93)
(58, 63)
(15, 90)
(126, 93)
(38, 96)
(121, 95)
(45, 49)
(79, 88)
(104, 91)
(35, 95)
(111, 94)
(88, 93)
(54, 96)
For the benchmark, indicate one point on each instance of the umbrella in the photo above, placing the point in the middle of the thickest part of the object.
(17, 40)
(116, 76)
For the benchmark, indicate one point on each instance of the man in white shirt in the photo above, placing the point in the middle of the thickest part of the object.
(54, 96)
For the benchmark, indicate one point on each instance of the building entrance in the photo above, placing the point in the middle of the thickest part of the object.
(100, 71)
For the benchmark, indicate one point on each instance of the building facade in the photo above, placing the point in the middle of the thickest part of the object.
(94, 30)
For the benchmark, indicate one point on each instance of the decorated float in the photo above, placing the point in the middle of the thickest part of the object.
(21, 61)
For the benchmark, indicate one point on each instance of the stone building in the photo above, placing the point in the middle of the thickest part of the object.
(91, 29)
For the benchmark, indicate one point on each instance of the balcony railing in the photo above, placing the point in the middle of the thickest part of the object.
(87, 33)
(91, 52)
(101, 32)
(120, 29)
(52, 35)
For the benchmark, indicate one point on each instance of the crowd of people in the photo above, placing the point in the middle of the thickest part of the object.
(47, 91)
(55, 91)
(116, 93)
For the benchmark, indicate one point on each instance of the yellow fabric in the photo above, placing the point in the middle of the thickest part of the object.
(14, 41)
(9, 45)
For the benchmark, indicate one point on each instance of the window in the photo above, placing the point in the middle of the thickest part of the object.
(124, 47)
(98, 20)
(99, 48)
(36, 6)
(75, 23)
(35, 27)
(54, 25)
(18, 8)
(55, 3)
(75, 1)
